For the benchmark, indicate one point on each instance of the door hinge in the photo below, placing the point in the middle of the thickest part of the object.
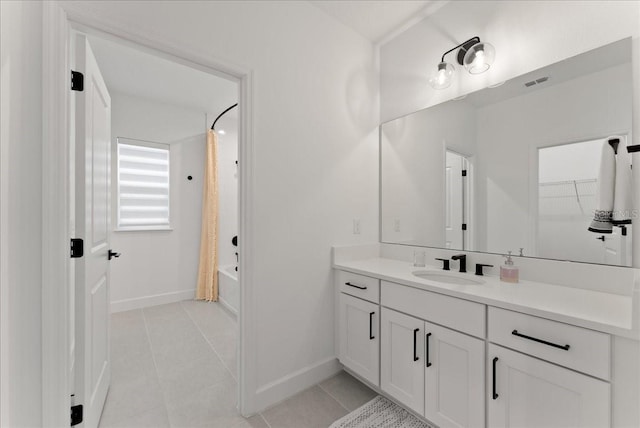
(77, 81)
(77, 248)
(76, 414)
(464, 226)
(464, 172)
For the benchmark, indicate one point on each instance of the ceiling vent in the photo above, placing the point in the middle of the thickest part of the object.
(536, 82)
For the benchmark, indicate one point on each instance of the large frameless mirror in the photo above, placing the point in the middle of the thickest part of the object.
(522, 167)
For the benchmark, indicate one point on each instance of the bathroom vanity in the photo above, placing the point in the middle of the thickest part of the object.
(511, 167)
(494, 354)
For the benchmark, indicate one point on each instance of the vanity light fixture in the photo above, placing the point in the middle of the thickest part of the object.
(474, 55)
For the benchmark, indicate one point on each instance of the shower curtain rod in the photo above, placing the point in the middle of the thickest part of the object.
(213, 127)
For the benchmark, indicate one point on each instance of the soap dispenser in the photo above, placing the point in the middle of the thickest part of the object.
(509, 272)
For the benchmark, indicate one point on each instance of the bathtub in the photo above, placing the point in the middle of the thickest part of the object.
(228, 289)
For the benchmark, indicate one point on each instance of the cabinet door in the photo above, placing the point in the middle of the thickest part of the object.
(454, 378)
(528, 392)
(359, 338)
(402, 358)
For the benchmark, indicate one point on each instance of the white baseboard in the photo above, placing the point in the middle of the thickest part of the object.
(227, 306)
(287, 386)
(146, 301)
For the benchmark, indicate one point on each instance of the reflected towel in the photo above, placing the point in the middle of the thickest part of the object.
(613, 197)
(622, 195)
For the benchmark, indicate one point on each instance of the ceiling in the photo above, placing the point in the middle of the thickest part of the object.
(138, 73)
(373, 19)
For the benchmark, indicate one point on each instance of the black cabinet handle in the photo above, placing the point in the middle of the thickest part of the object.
(371, 336)
(355, 286)
(415, 344)
(495, 394)
(555, 345)
(426, 354)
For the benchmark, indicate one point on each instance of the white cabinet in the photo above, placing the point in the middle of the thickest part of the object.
(435, 371)
(359, 337)
(454, 378)
(444, 358)
(526, 392)
(402, 358)
(573, 347)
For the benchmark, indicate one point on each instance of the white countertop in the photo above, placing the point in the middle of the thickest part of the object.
(609, 313)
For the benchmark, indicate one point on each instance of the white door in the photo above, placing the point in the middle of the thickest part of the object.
(528, 392)
(454, 197)
(454, 378)
(92, 174)
(359, 337)
(617, 247)
(401, 358)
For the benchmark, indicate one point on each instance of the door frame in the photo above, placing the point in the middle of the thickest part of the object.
(58, 21)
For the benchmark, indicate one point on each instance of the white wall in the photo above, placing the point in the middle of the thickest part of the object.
(160, 266)
(21, 213)
(314, 166)
(554, 163)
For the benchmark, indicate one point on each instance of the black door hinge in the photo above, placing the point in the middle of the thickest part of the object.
(464, 172)
(77, 81)
(464, 226)
(77, 248)
(76, 414)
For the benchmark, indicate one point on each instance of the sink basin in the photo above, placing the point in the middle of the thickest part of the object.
(447, 278)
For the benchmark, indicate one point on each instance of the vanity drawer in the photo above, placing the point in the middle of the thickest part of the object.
(457, 314)
(361, 286)
(588, 351)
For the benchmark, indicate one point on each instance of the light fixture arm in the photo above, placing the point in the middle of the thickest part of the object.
(465, 46)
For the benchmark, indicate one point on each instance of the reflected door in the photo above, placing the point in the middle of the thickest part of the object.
(454, 201)
(616, 247)
(567, 195)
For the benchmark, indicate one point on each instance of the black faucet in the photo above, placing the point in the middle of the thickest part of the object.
(463, 261)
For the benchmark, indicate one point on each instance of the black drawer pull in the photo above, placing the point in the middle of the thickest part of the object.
(371, 336)
(355, 286)
(495, 394)
(415, 344)
(555, 345)
(426, 354)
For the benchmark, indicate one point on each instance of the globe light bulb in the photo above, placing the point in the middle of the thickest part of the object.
(441, 79)
(479, 58)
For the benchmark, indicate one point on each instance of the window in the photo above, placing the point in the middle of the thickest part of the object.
(143, 185)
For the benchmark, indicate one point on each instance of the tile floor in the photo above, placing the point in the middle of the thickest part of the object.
(175, 366)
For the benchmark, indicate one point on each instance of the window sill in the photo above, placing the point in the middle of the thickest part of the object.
(144, 229)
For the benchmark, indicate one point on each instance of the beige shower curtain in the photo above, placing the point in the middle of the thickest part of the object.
(208, 270)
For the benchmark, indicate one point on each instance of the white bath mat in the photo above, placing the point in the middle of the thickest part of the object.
(379, 413)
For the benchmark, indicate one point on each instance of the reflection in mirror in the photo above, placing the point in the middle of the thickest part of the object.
(456, 200)
(566, 203)
(514, 167)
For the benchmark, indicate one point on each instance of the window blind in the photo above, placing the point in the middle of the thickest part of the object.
(143, 185)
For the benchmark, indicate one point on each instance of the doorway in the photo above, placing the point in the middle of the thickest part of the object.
(151, 247)
(457, 200)
(567, 200)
